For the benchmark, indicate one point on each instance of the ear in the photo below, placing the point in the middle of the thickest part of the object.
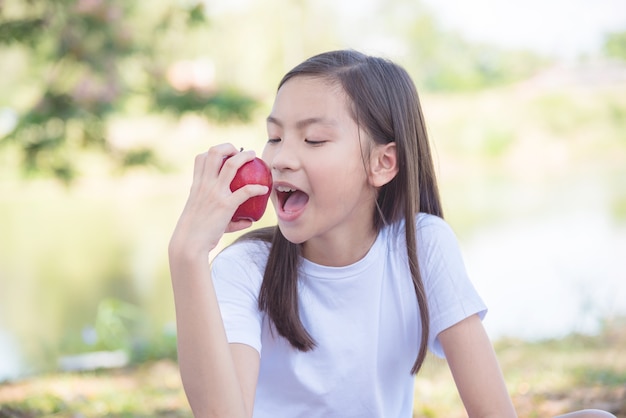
(383, 164)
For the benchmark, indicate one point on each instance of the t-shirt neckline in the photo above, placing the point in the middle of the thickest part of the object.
(321, 271)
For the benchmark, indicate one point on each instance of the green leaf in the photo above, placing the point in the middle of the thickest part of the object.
(21, 30)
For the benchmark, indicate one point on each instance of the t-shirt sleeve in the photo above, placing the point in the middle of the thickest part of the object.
(237, 280)
(450, 293)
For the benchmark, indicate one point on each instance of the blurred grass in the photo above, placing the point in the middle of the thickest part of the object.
(544, 379)
(148, 390)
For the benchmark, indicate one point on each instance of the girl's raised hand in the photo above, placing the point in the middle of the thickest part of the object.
(211, 205)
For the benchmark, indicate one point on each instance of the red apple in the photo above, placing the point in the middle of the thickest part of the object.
(252, 172)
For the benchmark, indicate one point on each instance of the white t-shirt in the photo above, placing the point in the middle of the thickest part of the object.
(363, 317)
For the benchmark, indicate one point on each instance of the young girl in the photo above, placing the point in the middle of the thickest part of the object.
(331, 312)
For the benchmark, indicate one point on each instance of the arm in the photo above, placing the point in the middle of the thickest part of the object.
(219, 379)
(475, 369)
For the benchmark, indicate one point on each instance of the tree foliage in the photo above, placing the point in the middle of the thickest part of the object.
(91, 57)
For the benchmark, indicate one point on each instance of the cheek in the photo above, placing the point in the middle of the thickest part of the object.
(339, 177)
(336, 168)
(266, 155)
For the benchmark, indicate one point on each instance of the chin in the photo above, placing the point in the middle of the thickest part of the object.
(291, 235)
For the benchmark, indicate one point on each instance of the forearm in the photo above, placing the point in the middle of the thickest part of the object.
(206, 365)
(490, 398)
(476, 370)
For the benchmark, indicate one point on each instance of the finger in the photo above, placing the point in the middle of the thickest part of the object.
(216, 156)
(246, 192)
(229, 167)
(235, 226)
(239, 196)
(198, 172)
(210, 161)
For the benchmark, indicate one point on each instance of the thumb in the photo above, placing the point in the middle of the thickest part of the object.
(250, 190)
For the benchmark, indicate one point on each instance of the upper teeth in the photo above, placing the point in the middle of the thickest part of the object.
(285, 189)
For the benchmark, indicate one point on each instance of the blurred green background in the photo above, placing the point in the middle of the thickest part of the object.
(105, 103)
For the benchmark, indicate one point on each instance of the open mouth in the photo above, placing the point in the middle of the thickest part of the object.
(291, 200)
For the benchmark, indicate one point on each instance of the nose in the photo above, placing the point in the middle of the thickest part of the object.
(282, 156)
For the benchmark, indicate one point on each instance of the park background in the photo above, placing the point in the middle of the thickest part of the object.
(105, 103)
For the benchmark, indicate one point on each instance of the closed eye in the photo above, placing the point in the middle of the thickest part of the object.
(314, 143)
(273, 140)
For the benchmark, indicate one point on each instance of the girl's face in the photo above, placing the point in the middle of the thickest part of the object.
(321, 194)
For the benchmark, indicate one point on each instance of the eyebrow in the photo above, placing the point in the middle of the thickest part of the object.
(304, 122)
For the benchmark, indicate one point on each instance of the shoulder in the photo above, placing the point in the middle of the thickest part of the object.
(431, 229)
(245, 247)
(437, 241)
(428, 229)
(426, 223)
(246, 256)
(437, 244)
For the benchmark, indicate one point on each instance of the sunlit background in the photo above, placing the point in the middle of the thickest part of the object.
(104, 104)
